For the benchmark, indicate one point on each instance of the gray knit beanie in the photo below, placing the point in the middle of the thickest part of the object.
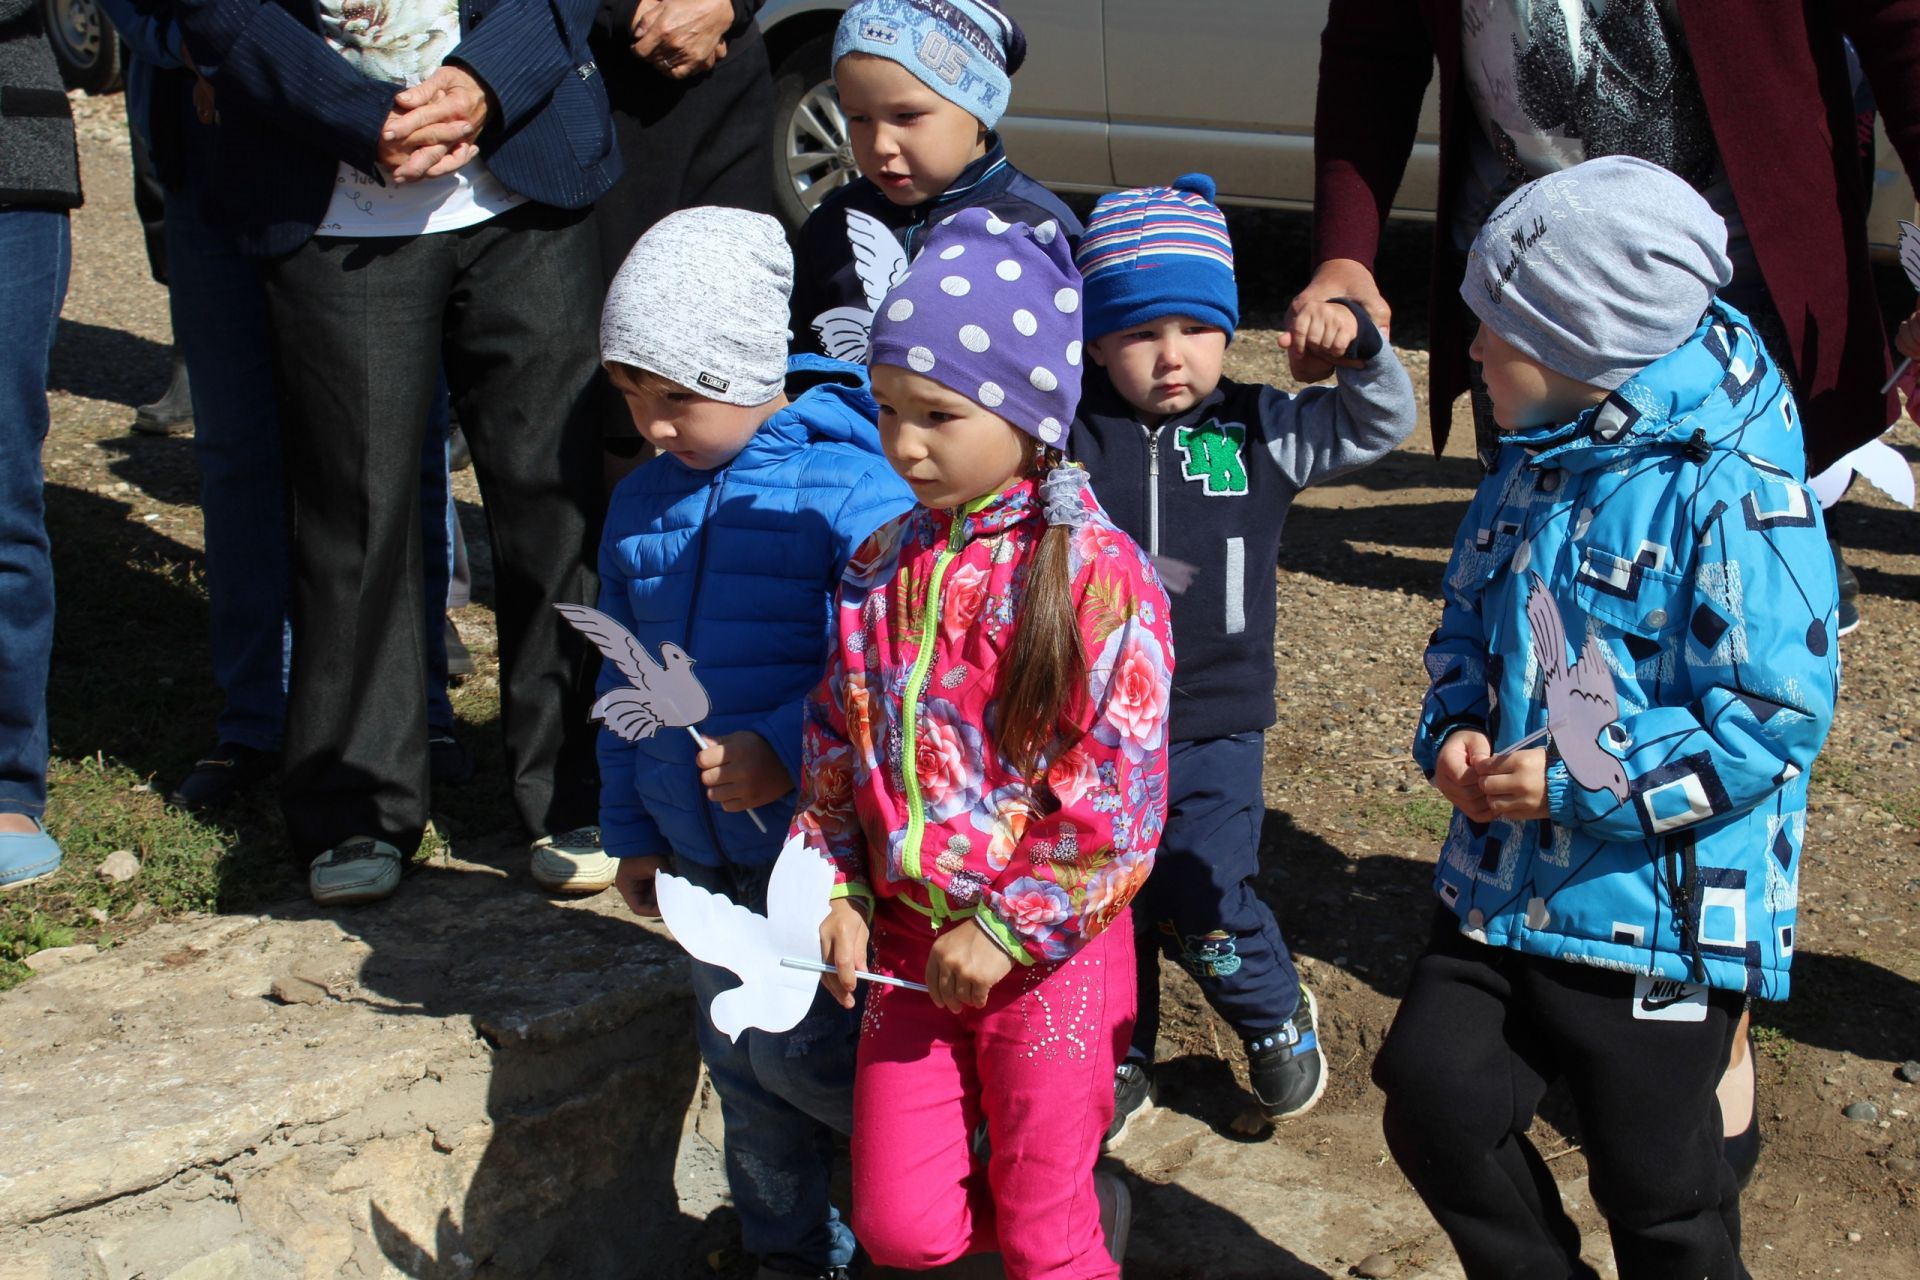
(1598, 270)
(702, 301)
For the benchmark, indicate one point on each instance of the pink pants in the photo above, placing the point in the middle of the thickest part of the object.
(1037, 1063)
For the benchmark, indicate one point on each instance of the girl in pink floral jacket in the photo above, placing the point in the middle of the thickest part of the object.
(985, 764)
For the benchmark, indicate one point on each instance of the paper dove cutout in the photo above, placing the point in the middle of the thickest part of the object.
(879, 262)
(664, 693)
(1581, 702)
(1878, 463)
(1904, 375)
(771, 996)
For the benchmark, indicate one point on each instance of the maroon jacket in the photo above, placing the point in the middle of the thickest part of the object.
(1774, 77)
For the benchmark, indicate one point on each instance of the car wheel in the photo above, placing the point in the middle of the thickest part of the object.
(812, 156)
(84, 44)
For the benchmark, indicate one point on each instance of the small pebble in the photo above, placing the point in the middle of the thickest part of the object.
(1375, 1266)
(1905, 1166)
(1861, 1111)
(1909, 1071)
(1853, 1237)
(119, 866)
(98, 915)
(289, 989)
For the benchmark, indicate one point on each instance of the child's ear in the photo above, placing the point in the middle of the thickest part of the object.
(1092, 347)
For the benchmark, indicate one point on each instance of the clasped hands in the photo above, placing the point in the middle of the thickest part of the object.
(1484, 786)
(434, 127)
(681, 38)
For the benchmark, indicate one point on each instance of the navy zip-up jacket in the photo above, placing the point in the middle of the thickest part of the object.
(1206, 493)
(291, 108)
(843, 267)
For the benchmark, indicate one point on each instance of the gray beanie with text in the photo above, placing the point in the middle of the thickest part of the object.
(702, 301)
(1599, 270)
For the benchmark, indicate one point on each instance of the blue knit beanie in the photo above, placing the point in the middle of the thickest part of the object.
(964, 50)
(990, 310)
(1158, 251)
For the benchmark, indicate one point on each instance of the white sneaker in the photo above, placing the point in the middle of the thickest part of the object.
(573, 862)
(358, 870)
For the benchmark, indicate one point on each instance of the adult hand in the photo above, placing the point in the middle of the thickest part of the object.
(634, 880)
(1322, 331)
(843, 944)
(1516, 784)
(963, 966)
(740, 771)
(435, 125)
(203, 103)
(681, 38)
(1336, 278)
(1457, 778)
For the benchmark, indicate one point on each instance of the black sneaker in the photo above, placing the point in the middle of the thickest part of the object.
(1849, 584)
(1116, 1213)
(449, 763)
(221, 775)
(1849, 617)
(1286, 1067)
(1132, 1096)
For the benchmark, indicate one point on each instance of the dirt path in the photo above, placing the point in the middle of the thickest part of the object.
(1349, 838)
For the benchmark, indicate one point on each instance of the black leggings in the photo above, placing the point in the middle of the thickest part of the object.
(1482, 1033)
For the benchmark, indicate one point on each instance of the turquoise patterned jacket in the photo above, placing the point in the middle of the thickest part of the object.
(1662, 548)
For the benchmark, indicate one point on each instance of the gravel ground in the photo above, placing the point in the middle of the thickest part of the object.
(1350, 833)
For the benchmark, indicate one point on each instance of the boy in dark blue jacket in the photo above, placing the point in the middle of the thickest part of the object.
(1201, 471)
(922, 83)
(729, 544)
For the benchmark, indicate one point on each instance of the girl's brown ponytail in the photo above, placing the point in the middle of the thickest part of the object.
(1047, 668)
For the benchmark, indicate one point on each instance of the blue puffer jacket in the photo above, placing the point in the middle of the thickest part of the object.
(738, 567)
(1672, 527)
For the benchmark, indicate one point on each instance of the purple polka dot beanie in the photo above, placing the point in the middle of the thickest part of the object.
(991, 310)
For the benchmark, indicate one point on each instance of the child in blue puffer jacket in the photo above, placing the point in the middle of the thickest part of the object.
(730, 545)
(1642, 581)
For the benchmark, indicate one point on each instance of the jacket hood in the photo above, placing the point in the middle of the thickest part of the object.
(1720, 390)
(831, 402)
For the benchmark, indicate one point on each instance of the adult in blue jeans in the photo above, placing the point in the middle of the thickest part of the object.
(39, 183)
(219, 311)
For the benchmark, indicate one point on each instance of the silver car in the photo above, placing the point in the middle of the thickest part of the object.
(1108, 100)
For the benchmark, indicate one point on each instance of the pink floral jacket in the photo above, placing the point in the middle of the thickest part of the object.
(902, 788)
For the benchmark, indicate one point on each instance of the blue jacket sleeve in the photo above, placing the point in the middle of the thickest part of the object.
(1762, 694)
(874, 497)
(257, 53)
(148, 28)
(1456, 656)
(520, 53)
(626, 828)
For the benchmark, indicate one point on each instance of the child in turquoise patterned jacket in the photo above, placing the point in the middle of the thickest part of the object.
(1635, 667)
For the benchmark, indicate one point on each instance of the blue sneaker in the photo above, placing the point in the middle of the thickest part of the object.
(27, 856)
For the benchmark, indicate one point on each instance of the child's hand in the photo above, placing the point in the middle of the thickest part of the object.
(1456, 776)
(740, 771)
(1516, 786)
(963, 966)
(1321, 331)
(843, 944)
(634, 880)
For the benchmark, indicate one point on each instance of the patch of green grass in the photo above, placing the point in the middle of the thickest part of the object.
(1419, 814)
(1772, 1041)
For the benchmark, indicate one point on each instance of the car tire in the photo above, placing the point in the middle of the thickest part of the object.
(84, 44)
(811, 155)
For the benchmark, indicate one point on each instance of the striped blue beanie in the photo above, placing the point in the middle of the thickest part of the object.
(1158, 251)
(964, 50)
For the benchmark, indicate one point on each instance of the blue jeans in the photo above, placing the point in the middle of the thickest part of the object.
(35, 254)
(782, 1098)
(221, 329)
(1199, 906)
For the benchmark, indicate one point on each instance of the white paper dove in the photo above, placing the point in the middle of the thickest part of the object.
(659, 693)
(879, 262)
(1581, 702)
(775, 956)
(1878, 463)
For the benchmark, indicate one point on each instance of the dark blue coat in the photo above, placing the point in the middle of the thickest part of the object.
(291, 108)
(738, 566)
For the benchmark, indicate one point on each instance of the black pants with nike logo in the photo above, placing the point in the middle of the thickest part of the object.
(1481, 1035)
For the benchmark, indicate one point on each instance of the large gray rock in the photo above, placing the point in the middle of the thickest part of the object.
(473, 1081)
